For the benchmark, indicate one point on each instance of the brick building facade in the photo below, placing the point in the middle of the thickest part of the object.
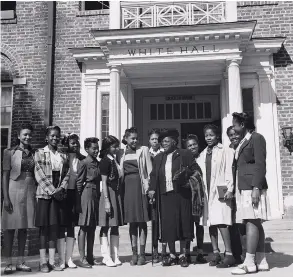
(24, 49)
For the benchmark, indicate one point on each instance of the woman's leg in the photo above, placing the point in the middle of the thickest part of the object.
(142, 239)
(81, 242)
(114, 245)
(133, 233)
(172, 259)
(184, 252)
(199, 241)
(229, 258)
(242, 232)
(70, 232)
(22, 235)
(90, 243)
(252, 239)
(61, 246)
(44, 231)
(105, 247)
(70, 241)
(214, 240)
(8, 242)
(52, 237)
(261, 260)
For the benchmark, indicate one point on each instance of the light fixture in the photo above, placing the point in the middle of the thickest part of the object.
(288, 138)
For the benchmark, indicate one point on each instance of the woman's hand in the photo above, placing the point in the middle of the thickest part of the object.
(255, 195)
(8, 205)
(58, 193)
(228, 195)
(107, 206)
(151, 194)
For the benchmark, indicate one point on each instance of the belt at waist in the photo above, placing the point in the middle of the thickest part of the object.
(27, 173)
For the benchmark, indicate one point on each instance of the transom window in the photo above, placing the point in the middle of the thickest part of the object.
(179, 111)
(94, 5)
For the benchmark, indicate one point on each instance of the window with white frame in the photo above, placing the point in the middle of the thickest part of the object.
(6, 115)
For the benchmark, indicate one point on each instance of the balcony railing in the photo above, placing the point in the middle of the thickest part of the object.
(155, 14)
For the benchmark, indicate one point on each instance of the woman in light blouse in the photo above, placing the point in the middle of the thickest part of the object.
(19, 196)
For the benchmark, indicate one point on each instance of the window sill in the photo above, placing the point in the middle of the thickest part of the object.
(93, 13)
(8, 15)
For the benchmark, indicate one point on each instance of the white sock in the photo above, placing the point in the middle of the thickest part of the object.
(43, 259)
(51, 256)
(260, 258)
(249, 259)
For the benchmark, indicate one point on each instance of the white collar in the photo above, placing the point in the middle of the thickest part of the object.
(152, 151)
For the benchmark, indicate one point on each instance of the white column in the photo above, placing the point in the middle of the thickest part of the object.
(234, 88)
(226, 120)
(99, 114)
(130, 105)
(114, 101)
(115, 14)
(88, 110)
(124, 109)
(267, 126)
(231, 11)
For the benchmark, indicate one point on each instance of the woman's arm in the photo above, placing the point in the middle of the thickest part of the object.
(40, 176)
(81, 176)
(229, 157)
(148, 162)
(64, 183)
(5, 180)
(105, 193)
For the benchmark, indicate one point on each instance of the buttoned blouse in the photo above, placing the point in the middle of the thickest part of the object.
(56, 159)
(168, 173)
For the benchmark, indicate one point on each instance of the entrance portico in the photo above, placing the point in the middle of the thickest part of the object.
(223, 55)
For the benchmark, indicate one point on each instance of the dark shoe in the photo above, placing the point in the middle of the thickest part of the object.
(200, 259)
(93, 262)
(227, 262)
(141, 260)
(168, 261)
(134, 259)
(44, 268)
(183, 261)
(156, 257)
(23, 267)
(55, 267)
(8, 269)
(84, 263)
(215, 260)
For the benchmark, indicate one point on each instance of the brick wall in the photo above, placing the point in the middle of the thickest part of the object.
(272, 21)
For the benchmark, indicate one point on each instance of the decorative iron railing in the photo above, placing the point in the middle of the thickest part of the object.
(155, 14)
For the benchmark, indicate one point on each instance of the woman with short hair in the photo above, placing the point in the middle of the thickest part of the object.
(19, 189)
(251, 192)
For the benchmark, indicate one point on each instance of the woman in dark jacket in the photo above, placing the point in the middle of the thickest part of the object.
(175, 207)
(251, 192)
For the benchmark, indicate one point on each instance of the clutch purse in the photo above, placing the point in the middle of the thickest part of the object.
(222, 191)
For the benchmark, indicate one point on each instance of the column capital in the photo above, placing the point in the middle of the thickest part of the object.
(234, 61)
(264, 74)
(115, 67)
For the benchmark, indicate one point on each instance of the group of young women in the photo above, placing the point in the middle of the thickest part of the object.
(223, 188)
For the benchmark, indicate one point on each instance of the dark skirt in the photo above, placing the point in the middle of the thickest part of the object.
(70, 208)
(176, 216)
(51, 211)
(135, 203)
(89, 203)
(116, 216)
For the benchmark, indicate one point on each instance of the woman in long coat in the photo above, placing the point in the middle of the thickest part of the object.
(175, 207)
(251, 192)
(216, 165)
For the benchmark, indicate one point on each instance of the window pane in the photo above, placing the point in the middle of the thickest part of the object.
(169, 111)
(4, 139)
(176, 111)
(199, 108)
(6, 96)
(247, 98)
(191, 110)
(184, 111)
(105, 115)
(161, 108)
(96, 5)
(8, 5)
(153, 111)
(5, 117)
(207, 110)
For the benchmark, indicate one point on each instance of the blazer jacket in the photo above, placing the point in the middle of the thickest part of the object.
(144, 166)
(187, 160)
(12, 161)
(43, 173)
(251, 163)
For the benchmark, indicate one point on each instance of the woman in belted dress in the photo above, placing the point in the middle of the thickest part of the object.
(19, 189)
(251, 192)
(136, 166)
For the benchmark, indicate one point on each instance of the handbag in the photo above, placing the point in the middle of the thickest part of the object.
(222, 191)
